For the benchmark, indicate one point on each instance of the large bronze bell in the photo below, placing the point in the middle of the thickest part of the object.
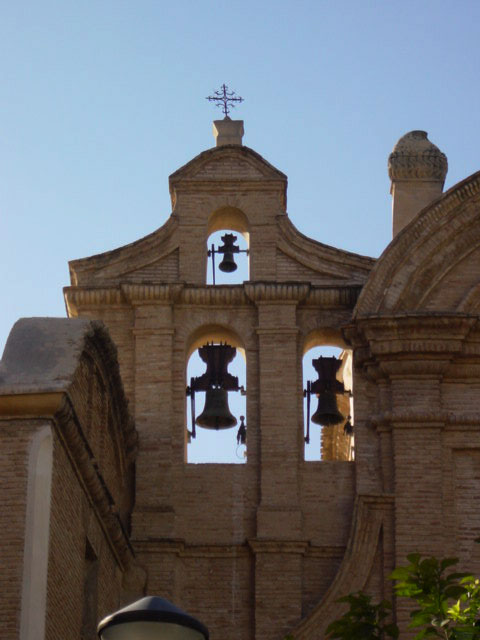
(216, 413)
(228, 263)
(326, 388)
(327, 412)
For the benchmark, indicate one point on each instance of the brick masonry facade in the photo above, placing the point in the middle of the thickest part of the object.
(263, 549)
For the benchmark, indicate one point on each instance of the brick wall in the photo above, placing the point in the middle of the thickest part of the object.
(16, 438)
(73, 523)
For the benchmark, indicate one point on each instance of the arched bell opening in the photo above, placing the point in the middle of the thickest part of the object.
(328, 398)
(227, 247)
(216, 430)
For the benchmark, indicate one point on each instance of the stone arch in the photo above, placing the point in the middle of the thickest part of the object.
(213, 333)
(335, 444)
(431, 265)
(221, 223)
(228, 217)
(324, 336)
(209, 445)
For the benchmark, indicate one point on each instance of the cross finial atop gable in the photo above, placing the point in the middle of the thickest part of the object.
(224, 99)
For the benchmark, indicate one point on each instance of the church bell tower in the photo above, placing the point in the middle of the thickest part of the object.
(248, 548)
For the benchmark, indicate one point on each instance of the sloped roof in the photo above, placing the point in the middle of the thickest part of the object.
(42, 354)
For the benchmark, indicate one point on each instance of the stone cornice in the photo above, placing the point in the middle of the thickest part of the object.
(278, 546)
(326, 550)
(333, 296)
(178, 546)
(174, 546)
(76, 297)
(216, 185)
(301, 293)
(407, 419)
(148, 293)
(182, 549)
(214, 551)
(424, 419)
(435, 334)
(294, 292)
(218, 295)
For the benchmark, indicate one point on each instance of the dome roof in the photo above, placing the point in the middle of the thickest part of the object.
(414, 157)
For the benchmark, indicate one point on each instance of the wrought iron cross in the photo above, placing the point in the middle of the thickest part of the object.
(224, 98)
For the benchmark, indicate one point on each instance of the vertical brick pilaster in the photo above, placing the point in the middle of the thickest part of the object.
(278, 569)
(417, 461)
(154, 515)
(416, 431)
(278, 515)
(278, 585)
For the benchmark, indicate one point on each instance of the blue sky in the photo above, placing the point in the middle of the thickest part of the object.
(101, 100)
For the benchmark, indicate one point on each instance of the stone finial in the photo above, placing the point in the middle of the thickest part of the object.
(228, 131)
(414, 157)
(417, 169)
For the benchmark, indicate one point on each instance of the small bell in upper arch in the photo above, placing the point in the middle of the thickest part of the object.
(229, 247)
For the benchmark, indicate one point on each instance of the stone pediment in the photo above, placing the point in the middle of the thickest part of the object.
(305, 259)
(226, 168)
(238, 179)
(229, 162)
(153, 258)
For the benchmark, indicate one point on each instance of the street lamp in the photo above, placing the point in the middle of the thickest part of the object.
(151, 618)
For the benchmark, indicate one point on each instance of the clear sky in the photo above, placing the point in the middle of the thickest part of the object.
(101, 100)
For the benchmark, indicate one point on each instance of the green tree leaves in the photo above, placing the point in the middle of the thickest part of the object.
(448, 604)
(363, 620)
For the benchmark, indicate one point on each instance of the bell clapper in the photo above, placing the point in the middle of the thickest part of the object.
(241, 437)
(242, 432)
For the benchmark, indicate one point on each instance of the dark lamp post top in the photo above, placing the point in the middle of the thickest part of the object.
(149, 613)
